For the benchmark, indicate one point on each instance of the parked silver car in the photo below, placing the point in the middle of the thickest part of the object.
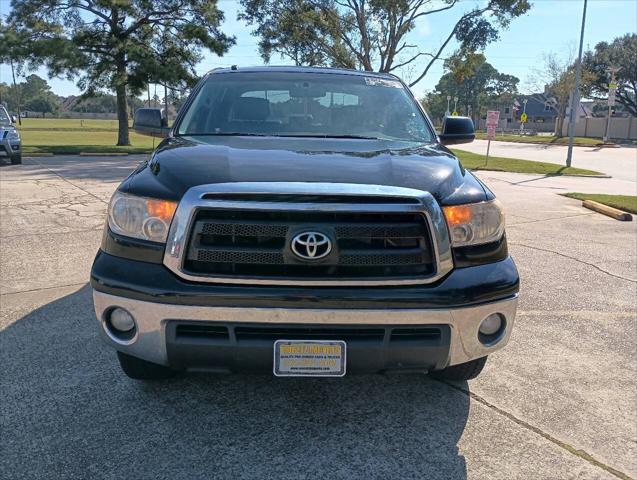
(10, 142)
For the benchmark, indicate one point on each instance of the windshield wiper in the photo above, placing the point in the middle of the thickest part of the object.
(325, 135)
(286, 135)
(226, 134)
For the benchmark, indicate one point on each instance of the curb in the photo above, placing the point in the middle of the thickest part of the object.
(608, 211)
(38, 154)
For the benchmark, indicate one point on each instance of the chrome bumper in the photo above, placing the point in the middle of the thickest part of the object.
(150, 341)
(7, 151)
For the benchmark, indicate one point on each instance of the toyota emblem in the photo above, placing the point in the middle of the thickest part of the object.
(311, 245)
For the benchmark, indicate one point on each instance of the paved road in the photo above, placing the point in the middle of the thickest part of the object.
(558, 403)
(620, 163)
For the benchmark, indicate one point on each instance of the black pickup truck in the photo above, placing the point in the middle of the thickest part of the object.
(303, 222)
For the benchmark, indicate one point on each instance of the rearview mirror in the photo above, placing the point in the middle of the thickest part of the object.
(13, 119)
(151, 121)
(457, 130)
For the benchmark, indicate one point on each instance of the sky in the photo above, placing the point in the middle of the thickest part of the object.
(551, 26)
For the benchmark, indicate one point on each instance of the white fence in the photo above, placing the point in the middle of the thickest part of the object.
(624, 128)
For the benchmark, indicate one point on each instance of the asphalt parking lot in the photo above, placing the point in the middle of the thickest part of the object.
(558, 403)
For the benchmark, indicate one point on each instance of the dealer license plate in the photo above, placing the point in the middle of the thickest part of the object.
(309, 358)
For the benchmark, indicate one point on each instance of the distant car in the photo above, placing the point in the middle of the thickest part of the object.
(10, 144)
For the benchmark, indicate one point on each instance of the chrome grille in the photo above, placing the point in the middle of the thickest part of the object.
(240, 233)
(366, 245)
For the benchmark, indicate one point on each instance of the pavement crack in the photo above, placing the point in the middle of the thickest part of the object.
(42, 289)
(70, 182)
(548, 219)
(538, 431)
(577, 260)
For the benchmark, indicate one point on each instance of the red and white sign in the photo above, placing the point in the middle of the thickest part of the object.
(493, 117)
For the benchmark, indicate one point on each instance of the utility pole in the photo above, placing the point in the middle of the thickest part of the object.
(612, 87)
(455, 106)
(575, 96)
(18, 90)
(166, 101)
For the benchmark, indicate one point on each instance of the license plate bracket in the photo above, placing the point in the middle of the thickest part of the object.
(310, 358)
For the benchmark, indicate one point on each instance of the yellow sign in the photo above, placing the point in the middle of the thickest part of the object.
(524, 117)
(454, 114)
(612, 86)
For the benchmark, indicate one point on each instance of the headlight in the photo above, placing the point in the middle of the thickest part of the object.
(13, 135)
(139, 217)
(475, 223)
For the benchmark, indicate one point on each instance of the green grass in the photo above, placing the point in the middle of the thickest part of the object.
(541, 139)
(474, 161)
(72, 136)
(627, 203)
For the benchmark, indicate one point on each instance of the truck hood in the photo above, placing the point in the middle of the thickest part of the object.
(183, 162)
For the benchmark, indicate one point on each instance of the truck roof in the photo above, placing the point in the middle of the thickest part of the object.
(294, 69)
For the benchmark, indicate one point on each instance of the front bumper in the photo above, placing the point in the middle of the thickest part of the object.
(8, 148)
(157, 342)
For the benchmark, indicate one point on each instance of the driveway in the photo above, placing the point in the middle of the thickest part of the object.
(620, 163)
(558, 403)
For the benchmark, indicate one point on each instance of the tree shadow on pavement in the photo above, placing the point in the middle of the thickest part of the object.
(75, 167)
(68, 412)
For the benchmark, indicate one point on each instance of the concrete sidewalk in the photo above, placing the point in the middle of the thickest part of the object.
(562, 184)
(620, 163)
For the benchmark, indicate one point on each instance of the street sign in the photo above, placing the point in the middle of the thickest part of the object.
(524, 117)
(454, 114)
(493, 117)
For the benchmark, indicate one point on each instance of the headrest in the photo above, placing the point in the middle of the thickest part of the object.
(251, 108)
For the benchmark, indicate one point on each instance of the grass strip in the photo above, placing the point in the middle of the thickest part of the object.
(475, 161)
(627, 203)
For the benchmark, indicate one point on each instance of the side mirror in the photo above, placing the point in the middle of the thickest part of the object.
(14, 119)
(151, 121)
(457, 130)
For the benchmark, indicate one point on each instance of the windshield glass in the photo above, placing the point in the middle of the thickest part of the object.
(4, 117)
(305, 104)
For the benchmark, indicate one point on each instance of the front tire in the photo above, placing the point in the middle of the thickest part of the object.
(139, 369)
(461, 372)
(16, 159)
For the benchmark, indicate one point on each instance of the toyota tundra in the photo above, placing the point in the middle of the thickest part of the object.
(303, 222)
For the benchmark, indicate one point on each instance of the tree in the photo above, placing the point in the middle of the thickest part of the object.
(476, 83)
(43, 104)
(368, 34)
(619, 54)
(121, 45)
(558, 77)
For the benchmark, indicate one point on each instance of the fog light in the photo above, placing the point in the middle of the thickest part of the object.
(491, 325)
(121, 320)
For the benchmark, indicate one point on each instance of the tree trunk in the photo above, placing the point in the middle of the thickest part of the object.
(18, 90)
(123, 138)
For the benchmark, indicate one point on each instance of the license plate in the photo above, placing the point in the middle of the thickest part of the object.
(309, 358)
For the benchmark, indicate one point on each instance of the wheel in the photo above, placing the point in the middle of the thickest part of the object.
(139, 369)
(16, 159)
(462, 371)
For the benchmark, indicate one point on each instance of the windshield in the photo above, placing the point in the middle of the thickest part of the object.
(4, 117)
(305, 104)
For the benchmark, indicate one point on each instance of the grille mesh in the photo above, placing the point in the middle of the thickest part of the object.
(257, 244)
